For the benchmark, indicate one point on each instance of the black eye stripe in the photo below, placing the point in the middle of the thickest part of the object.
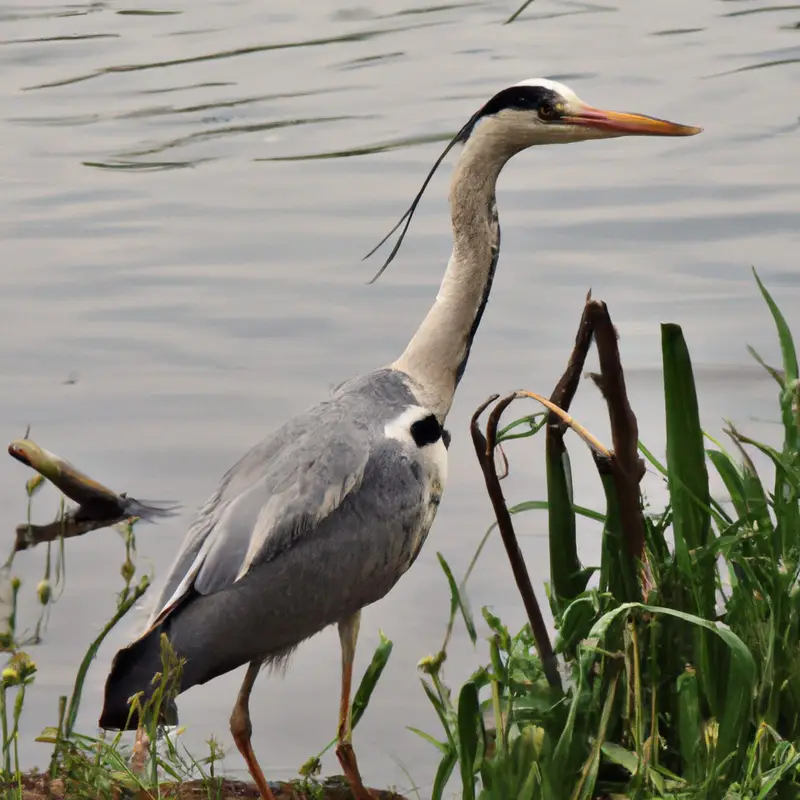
(521, 98)
(426, 431)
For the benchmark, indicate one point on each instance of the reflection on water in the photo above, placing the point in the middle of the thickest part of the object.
(381, 147)
(743, 12)
(188, 189)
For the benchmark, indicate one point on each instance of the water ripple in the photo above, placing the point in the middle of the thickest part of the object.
(220, 104)
(15, 14)
(368, 149)
(677, 31)
(144, 166)
(77, 37)
(220, 55)
(228, 130)
(146, 12)
(745, 12)
(778, 62)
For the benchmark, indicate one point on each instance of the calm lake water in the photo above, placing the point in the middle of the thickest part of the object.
(182, 233)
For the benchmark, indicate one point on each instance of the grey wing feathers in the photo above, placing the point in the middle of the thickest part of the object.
(284, 487)
(315, 469)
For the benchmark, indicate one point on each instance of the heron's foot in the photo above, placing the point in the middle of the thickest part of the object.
(347, 758)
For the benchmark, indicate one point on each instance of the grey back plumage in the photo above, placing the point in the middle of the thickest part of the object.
(286, 485)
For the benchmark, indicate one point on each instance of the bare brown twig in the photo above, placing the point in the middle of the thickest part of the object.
(567, 386)
(29, 535)
(484, 449)
(626, 465)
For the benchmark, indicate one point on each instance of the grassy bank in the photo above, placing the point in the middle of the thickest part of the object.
(675, 672)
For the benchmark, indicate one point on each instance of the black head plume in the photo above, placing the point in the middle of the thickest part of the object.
(519, 97)
(460, 137)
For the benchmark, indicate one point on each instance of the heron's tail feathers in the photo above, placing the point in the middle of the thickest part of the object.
(139, 669)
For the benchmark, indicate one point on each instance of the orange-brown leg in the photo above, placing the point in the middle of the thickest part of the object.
(348, 636)
(242, 730)
(141, 750)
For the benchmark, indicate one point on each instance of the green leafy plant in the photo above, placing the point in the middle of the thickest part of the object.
(679, 653)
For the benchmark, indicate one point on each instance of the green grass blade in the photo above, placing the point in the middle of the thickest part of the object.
(782, 463)
(535, 423)
(569, 750)
(543, 505)
(790, 377)
(469, 721)
(690, 722)
(787, 486)
(163, 764)
(652, 459)
(443, 773)
(776, 375)
(575, 623)
(687, 475)
(77, 690)
(371, 677)
(713, 506)
(458, 598)
(566, 578)
(442, 747)
(786, 534)
(784, 334)
(585, 790)
(755, 494)
(361, 700)
(617, 569)
(769, 786)
(690, 499)
(441, 712)
(731, 478)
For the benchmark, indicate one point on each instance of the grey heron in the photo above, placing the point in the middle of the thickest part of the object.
(325, 515)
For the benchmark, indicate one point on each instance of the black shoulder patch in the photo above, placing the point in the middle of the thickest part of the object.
(516, 97)
(446, 438)
(426, 431)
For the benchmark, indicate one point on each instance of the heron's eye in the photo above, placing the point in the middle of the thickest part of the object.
(548, 110)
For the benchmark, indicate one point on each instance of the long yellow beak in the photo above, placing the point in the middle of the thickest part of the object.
(634, 124)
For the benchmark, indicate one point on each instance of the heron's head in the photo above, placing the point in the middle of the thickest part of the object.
(541, 111)
(535, 111)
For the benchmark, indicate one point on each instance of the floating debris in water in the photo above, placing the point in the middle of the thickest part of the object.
(98, 506)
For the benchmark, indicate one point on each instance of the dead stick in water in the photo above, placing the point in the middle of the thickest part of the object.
(98, 506)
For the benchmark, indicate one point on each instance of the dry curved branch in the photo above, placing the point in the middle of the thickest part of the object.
(571, 422)
(484, 449)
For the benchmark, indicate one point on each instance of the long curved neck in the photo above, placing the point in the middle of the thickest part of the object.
(436, 356)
